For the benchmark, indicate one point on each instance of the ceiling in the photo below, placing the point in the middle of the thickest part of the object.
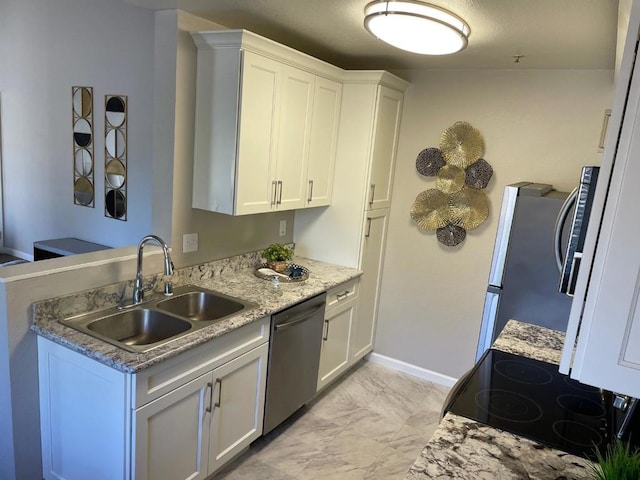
(568, 34)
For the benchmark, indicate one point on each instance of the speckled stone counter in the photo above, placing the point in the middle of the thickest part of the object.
(235, 278)
(465, 449)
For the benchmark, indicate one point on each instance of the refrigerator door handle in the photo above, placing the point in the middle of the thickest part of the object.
(491, 301)
(560, 222)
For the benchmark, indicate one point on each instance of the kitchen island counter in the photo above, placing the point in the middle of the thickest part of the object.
(465, 449)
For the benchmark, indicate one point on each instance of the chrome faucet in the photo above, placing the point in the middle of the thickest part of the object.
(138, 289)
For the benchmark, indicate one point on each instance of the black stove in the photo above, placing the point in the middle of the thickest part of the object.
(532, 399)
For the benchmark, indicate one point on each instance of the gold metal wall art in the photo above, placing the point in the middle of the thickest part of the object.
(115, 157)
(431, 209)
(457, 204)
(461, 145)
(83, 141)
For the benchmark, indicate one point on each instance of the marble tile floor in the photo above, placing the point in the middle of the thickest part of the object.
(369, 425)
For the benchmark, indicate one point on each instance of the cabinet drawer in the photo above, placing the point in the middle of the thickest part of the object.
(342, 293)
(166, 376)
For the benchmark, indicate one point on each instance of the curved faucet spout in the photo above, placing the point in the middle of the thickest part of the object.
(138, 290)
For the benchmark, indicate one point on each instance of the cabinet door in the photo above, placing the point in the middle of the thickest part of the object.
(83, 416)
(258, 134)
(171, 434)
(375, 233)
(385, 143)
(334, 356)
(293, 138)
(608, 349)
(324, 136)
(238, 405)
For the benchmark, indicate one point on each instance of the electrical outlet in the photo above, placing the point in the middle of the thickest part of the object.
(189, 242)
(283, 228)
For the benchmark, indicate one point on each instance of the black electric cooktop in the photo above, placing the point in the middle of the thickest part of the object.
(532, 399)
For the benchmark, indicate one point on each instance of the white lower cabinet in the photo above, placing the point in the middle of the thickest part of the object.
(334, 356)
(192, 431)
(339, 321)
(181, 419)
(172, 435)
(237, 405)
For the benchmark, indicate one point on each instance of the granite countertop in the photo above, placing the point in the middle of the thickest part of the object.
(465, 449)
(241, 283)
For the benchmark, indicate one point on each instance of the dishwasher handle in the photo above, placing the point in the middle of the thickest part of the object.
(298, 319)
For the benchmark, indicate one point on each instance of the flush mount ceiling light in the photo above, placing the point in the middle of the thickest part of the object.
(416, 26)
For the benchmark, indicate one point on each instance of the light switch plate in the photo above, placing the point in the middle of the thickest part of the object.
(189, 242)
(283, 228)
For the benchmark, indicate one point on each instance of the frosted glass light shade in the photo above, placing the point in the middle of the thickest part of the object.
(416, 26)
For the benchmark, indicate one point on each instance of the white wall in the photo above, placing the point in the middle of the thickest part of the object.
(538, 126)
(46, 47)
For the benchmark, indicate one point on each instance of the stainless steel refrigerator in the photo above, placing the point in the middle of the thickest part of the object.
(524, 276)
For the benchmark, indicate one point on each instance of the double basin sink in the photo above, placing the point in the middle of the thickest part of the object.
(158, 321)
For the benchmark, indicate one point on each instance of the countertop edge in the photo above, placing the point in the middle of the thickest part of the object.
(241, 284)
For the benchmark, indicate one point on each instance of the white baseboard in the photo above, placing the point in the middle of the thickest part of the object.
(410, 369)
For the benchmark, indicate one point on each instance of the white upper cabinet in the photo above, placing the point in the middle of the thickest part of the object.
(324, 137)
(266, 125)
(293, 137)
(606, 305)
(387, 129)
(255, 192)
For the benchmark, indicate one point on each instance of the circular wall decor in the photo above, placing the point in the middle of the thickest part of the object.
(430, 209)
(478, 174)
(429, 161)
(450, 179)
(451, 235)
(461, 145)
(457, 204)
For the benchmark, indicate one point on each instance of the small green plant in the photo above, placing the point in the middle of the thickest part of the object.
(618, 463)
(276, 252)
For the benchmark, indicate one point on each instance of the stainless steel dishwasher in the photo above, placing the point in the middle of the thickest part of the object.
(294, 358)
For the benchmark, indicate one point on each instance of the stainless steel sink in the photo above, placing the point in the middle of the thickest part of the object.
(159, 320)
(202, 305)
(139, 326)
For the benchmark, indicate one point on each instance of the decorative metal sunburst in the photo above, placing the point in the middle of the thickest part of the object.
(457, 204)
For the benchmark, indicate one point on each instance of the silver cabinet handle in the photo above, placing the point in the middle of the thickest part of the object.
(373, 193)
(219, 385)
(274, 189)
(366, 235)
(325, 337)
(342, 296)
(310, 197)
(280, 194)
(210, 388)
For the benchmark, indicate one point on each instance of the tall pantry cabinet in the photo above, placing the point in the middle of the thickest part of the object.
(353, 230)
